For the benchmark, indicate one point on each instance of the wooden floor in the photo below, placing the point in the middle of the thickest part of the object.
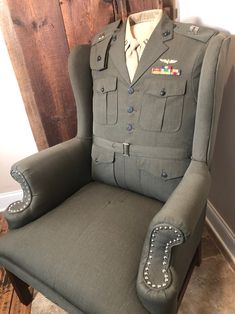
(9, 302)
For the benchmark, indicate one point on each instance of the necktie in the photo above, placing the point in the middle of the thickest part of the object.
(132, 58)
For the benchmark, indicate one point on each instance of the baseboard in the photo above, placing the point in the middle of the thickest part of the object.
(223, 234)
(7, 198)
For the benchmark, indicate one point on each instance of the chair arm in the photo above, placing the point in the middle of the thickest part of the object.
(171, 226)
(48, 178)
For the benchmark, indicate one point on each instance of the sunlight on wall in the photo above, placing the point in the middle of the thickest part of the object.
(16, 139)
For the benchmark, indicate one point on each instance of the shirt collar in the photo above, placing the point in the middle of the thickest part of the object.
(129, 37)
(140, 17)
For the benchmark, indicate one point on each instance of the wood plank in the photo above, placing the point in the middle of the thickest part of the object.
(120, 9)
(40, 32)
(3, 225)
(6, 294)
(137, 6)
(84, 19)
(9, 301)
(169, 7)
(21, 288)
(17, 307)
(22, 75)
(134, 6)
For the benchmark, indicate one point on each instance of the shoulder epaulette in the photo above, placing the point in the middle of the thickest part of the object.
(107, 31)
(196, 32)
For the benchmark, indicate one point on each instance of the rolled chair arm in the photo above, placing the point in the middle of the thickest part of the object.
(48, 178)
(173, 225)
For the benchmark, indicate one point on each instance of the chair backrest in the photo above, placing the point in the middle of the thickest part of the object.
(145, 133)
(210, 94)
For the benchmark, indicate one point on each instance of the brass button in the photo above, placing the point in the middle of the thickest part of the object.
(163, 92)
(102, 89)
(99, 58)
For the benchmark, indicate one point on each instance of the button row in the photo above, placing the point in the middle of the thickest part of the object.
(130, 109)
(131, 90)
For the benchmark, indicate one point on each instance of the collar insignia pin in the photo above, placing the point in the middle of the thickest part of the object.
(194, 29)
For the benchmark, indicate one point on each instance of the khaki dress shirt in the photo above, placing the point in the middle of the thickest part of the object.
(139, 28)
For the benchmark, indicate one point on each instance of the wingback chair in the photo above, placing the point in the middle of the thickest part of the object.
(110, 224)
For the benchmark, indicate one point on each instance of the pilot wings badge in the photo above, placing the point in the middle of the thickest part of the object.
(168, 61)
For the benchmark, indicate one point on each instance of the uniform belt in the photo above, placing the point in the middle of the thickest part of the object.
(128, 149)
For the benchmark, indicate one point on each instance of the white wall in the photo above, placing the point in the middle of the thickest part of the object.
(16, 139)
(213, 13)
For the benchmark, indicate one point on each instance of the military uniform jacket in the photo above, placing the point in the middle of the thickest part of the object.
(143, 130)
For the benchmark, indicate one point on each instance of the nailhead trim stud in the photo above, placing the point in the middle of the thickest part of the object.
(178, 239)
(20, 206)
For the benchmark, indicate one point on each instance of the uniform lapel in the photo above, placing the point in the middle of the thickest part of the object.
(117, 54)
(155, 47)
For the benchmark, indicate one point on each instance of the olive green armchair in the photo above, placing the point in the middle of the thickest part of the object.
(97, 248)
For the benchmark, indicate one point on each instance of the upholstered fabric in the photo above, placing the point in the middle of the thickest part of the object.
(48, 178)
(210, 97)
(154, 113)
(87, 249)
(91, 257)
(85, 244)
(179, 221)
(81, 81)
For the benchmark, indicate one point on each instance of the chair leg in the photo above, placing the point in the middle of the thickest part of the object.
(21, 289)
(196, 261)
(198, 255)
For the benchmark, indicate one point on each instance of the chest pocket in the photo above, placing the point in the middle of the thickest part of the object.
(162, 105)
(105, 100)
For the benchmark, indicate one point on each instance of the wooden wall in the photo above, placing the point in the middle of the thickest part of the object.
(39, 36)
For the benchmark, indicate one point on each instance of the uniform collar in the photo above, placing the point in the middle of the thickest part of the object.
(155, 47)
(153, 17)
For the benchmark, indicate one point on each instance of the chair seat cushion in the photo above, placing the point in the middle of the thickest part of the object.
(87, 249)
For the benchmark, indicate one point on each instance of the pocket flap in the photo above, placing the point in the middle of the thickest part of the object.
(164, 88)
(100, 46)
(101, 155)
(164, 168)
(105, 85)
(98, 55)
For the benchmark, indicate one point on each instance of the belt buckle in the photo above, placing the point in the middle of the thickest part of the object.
(126, 149)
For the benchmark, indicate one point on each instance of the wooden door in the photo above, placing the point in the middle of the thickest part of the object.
(39, 36)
